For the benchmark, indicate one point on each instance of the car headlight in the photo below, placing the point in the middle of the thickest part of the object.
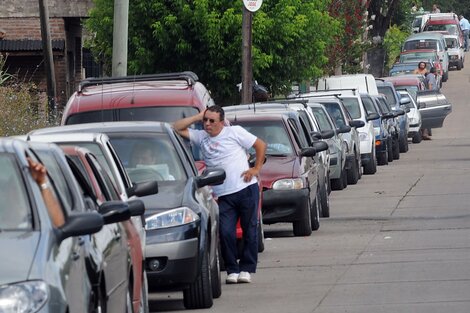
(175, 217)
(363, 136)
(414, 120)
(25, 297)
(289, 184)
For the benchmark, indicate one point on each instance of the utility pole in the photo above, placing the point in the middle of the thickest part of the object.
(120, 35)
(48, 60)
(247, 65)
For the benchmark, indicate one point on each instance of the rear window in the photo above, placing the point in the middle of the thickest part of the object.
(352, 105)
(420, 44)
(452, 29)
(90, 117)
(416, 56)
(417, 22)
(452, 43)
(161, 113)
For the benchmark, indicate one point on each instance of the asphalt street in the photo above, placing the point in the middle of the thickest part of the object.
(398, 241)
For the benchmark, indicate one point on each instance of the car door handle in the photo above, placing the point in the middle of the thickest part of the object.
(447, 108)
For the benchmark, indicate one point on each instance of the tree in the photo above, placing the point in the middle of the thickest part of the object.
(290, 38)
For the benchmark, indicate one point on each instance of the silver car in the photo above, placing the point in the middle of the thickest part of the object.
(43, 268)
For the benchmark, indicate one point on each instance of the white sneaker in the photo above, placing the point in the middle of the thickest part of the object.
(232, 278)
(244, 277)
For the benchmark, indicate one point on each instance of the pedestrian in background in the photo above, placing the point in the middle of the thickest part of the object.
(465, 26)
(421, 69)
(238, 196)
(435, 9)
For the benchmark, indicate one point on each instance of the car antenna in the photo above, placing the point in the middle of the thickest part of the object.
(133, 89)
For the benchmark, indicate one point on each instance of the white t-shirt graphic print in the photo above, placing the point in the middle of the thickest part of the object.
(227, 150)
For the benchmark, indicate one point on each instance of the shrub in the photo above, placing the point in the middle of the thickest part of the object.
(394, 39)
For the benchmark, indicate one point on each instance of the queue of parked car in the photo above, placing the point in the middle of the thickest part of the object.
(139, 212)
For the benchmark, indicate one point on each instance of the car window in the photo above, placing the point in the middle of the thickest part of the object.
(273, 133)
(90, 117)
(187, 155)
(15, 209)
(295, 132)
(336, 114)
(58, 178)
(306, 128)
(421, 44)
(158, 113)
(105, 182)
(383, 105)
(149, 157)
(353, 107)
(409, 105)
(369, 105)
(322, 119)
(417, 56)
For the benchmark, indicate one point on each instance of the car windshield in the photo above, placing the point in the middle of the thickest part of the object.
(149, 157)
(273, 133)
(335, 113)
(15, 210)
(90, 117)
(322, 119)
(452, 29)
(388, 92)
(352, 105)
(369, 105)
(420, 44)
(417, 56)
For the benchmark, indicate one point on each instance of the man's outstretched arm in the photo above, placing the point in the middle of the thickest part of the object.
(181, 126)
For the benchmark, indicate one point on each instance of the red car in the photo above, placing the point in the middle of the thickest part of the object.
(410, 82)
(445, 24)
(103, 189)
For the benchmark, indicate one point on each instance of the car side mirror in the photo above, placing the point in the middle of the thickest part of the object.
(80, 224)
(405, 100)
(344, 129)
(407, 109)
(372, 116)
(316, 135)
(308, 152)
(388, 115)
(320, 146)
(399, 112)
(143, 189)
(136, 206)
(327, 134)
(357, 123)
(114, 211)
(252, 160)
(214, 176)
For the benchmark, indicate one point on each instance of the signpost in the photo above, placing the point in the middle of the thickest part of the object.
(249, 7)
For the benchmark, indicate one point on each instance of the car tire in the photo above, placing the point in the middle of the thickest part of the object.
(396, 150)
(417, 138)
(459, 65)
(315, 211)
(371, 167)
(304, 226)
(216, 277)
(403, 144)
(353, 172)
(344, 178)
(390, 150)
(325, 201)
(199, 293)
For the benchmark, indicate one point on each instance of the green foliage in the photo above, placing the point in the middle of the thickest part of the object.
(394, 39)
(4, 76)
(289, 40)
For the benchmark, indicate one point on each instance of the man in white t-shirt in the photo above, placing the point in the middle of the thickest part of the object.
(226, 147)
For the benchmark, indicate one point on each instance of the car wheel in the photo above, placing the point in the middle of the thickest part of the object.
(371, 167)
(325, 201)
(304, 226)
(459, 65)
(353, 173)
(390, 150)
(417, 138)
(199, 293)
(315, 211)
(403, 144)
(344, 178)
(396, 150)
(216, 277)
(338, 183)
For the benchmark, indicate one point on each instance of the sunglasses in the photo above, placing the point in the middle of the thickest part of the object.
(211, 120)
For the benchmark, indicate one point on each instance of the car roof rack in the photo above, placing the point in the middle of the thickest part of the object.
(190, 77)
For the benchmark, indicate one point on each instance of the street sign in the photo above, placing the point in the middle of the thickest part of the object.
(252, 5)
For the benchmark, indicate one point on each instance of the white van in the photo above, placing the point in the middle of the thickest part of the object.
(363, 83)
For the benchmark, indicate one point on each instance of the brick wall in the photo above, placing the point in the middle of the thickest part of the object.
(57, 8)
(30, 28)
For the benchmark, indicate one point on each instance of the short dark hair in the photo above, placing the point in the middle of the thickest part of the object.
(217, 109)
(432, 70)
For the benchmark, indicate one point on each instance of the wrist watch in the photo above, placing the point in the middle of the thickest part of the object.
(45, 185)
